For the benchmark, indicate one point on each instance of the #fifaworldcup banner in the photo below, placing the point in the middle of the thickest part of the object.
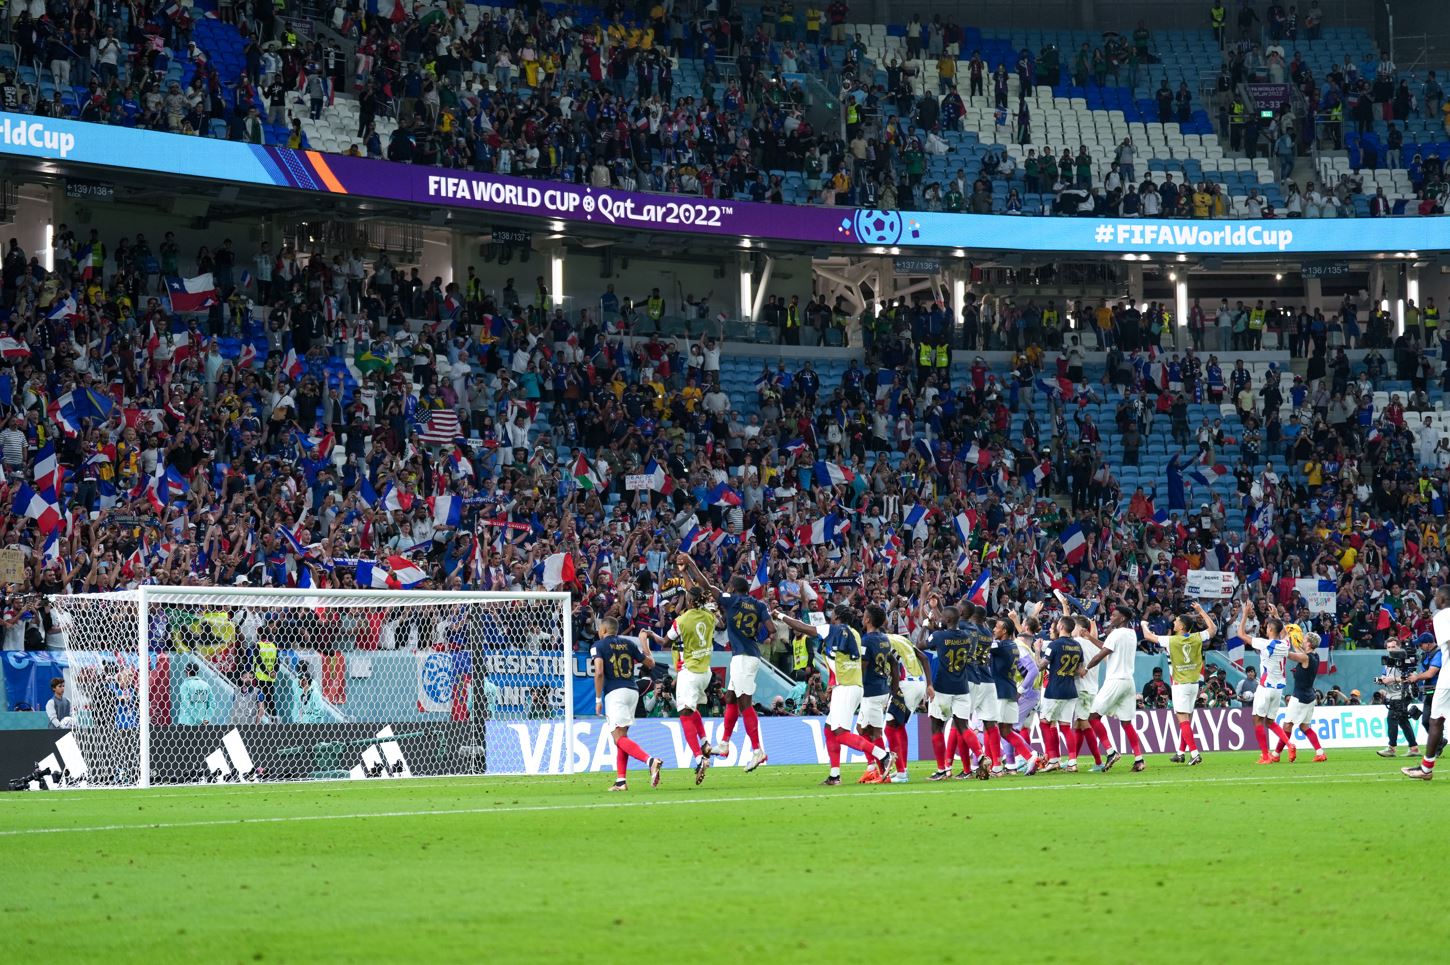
(111, 146)
(1211, 584)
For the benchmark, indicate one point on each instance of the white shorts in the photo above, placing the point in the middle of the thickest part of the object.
(690, 688)
(1185, 697)
(947, 706)
(1267, 701)
(619, 707)
(912, 694)
(984, 699)
(1001, 710)
(1298, 712)
(844, 701)
(1059, 711)
(1117, 699)
(1440, 707)
(740, 678)
(1085, 699)
(873, 711)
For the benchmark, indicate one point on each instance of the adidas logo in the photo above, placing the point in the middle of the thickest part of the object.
(384, 759)
(231, 762)
(64, 768)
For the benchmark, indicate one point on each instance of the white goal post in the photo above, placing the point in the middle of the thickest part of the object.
(194, 684)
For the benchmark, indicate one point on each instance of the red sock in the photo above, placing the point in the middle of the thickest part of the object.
(1086, 734)
(939, 748)
(857, 742)
(896, 739)
(1020, 745)
(1049, 740)
(1278, 732)
(621, 761)
(1261, 735)
(1070, 735)
(1312, 737)
(1131, 733)
(969, 747)
(1186, 742)
(752, 726)
(732, 714)
(689, 720)
(833, 748)
(994, 745)
(630, 748)
(1100, 731)
(954, 743)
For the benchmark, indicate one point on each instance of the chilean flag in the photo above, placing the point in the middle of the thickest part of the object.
(192, 294)
(659, 480)
(48, 472)
(555, 570)
(830, 474)
(292, 365)
(38, 506)
(760, 582)
(447, 510)
(980, 588)
(1074, 543)
(827, 529)
(404, 573)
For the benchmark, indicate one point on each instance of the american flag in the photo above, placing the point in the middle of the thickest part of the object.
(440, 427)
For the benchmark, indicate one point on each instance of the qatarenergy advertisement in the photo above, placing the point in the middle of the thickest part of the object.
(81, 146)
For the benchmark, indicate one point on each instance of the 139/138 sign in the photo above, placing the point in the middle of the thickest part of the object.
(78, 189)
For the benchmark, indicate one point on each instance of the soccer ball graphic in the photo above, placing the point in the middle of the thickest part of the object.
(878, 227)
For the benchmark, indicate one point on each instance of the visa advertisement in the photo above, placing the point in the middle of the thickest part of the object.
(81, 145)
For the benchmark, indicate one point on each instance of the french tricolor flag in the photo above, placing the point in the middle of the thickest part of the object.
(48, 472)
(1074, 544)
(659, 481)
(393, 500)
(722, 495)
(404, 573)
(1235, 650)
(555, 570)
(39, 506)
(964, 562)
(1039, 474)
(981, 587)
(693, 538)
(974, 455)
(827, 529)
(371, 575)
(914, 517)
(760, 582)
(290, 538)
(460, 463)
(447, 510)
(962, 524)
(292, 365)
(11, 348)
(830, 474)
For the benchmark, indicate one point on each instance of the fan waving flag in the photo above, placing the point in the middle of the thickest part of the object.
(1038, 475)
(371, 575)
(760, 582)
(192, 294)
(1074, 544)
(292, 365)
(974, 455)
(827, 529)
(48, 472)
(659, 480)
(585, 477)
(555, 570)
(404, 573)
(981, 588)
(830, 474)
(447, 510)
(441, 427)
(962, 524)
(722, 495)
(11, 348)
(39, 506)
(1387, 616)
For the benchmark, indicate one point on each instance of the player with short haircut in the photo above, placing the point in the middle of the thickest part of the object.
(841, 645)
(1185, 666)
(952, 705)
(1118, 696)
(879, 672)
(1086, 636)
(1304, 674)
(907, 695)
(693, 635)
(1061, 661)
(1273, 655)
(1000, 717)
(614, 660)
(747, 623)
(1439, 709)
(979, 673)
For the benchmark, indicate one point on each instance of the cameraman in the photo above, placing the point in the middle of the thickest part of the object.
(1427, 676)
(1399, 668)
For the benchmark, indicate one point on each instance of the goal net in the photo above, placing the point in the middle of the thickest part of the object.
(180, 685)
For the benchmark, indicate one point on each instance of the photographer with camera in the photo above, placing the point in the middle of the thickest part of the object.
(1400, 667)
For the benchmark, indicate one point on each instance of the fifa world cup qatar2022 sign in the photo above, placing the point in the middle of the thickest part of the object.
(80, 147)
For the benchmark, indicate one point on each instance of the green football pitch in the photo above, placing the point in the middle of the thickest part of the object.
(1225, 862)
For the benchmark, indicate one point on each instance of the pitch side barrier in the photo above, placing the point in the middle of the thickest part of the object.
(82, 147)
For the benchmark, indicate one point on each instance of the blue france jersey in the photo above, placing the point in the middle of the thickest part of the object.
(878, 664)
(620, 656)
(979, 671)
(954, 656)
(1305, 678)
(1002, 656)
(745, 620)
(1064, 660)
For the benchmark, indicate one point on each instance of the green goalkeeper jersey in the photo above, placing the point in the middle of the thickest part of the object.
(693, 633)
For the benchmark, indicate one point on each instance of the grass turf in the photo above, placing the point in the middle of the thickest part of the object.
(1227, 861)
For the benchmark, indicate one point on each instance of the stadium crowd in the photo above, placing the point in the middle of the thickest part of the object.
(486, 440)
(588, 96)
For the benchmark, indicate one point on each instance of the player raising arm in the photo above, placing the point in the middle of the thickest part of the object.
(1185, 669)
(615, 659)
(1061, 660)
(693, 635)
(841, 645)
(1273, 654)
(1118, 696)
(747, 623)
